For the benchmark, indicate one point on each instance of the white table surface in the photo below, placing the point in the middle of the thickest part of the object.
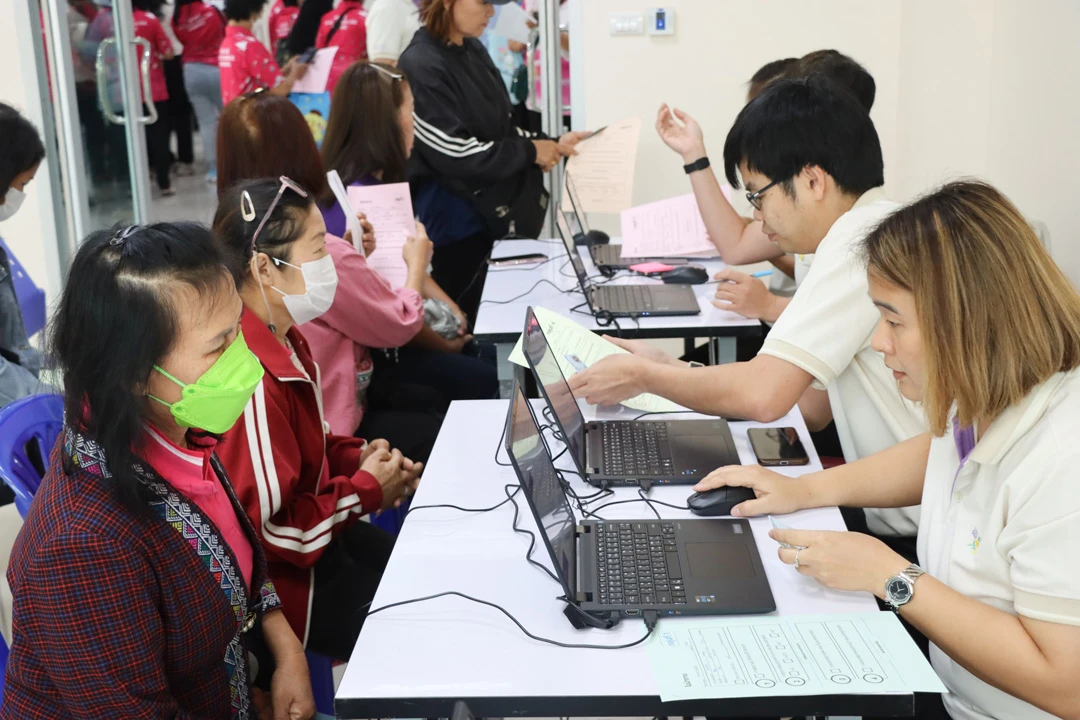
(503, 322)
(416, 659)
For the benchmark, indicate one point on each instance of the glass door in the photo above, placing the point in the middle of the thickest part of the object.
(98, 74)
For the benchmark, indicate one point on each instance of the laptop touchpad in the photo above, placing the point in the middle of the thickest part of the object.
(716, 561)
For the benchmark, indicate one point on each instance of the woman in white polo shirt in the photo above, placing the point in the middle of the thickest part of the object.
(979, 324)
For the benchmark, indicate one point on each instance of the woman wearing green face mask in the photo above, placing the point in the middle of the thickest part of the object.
(305, 488)
(137, 560)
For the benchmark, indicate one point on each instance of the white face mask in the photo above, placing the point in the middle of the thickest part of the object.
(320, 285)
(12, 202)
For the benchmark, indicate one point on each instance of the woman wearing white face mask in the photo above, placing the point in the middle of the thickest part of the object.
(21, 153)
(304, 488)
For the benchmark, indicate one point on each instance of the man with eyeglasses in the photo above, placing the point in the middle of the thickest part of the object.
(810, 159)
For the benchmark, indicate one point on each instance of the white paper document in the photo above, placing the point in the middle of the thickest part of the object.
(574, 345)
(389, 210)
(666, 228)
(317, 75)
(512, 23)
(353, 225)
(603, 169)
(792, 655)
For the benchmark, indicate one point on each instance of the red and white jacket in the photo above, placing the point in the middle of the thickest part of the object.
(299, 484)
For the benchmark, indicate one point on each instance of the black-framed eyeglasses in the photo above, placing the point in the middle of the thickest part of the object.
(754, 198)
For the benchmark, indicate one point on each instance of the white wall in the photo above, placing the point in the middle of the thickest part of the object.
(31, 233)
(964, 87)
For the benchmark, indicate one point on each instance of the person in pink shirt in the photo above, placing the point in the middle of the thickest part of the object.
(246, 65)
(200, 28)
(344, 27)
(282, 18)
(148, 26)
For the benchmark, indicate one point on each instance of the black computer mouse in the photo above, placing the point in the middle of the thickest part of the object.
(593, 237)
(686, 275)
(719, 501)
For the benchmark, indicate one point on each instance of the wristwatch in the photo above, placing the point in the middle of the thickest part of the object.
(899, 589)
(696, 165)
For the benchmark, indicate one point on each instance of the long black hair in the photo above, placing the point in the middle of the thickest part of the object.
(20, 146)
(117, 318)
(363, 135)
(306, 28)
(154, 7)
(284, 226)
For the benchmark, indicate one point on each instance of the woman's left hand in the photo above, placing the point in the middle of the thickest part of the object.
(290, 689)
(841, 560)
(569, 140)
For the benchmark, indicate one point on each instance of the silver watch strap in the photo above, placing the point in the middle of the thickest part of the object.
(913, 572)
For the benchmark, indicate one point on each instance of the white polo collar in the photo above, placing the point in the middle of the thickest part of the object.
(1015, 422)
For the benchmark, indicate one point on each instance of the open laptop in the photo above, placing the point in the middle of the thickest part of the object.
(626, 452)
(615, 569)
(607, 258)
(628, 300)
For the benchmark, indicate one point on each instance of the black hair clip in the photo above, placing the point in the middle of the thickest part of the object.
(122, 235)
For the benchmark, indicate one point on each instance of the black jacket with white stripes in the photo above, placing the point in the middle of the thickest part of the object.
(465, 139)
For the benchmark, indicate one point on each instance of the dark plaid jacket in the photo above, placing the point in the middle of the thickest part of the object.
(122, 615)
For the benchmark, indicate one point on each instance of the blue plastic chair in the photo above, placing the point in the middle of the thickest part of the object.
(3, 665)
(31, 297)
(38, 419)
(321, 669)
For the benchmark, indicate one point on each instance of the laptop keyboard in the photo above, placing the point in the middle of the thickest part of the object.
(633, 449)
(630, 298)
(638, 564)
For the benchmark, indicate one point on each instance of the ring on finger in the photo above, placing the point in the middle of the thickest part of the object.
(797, 551)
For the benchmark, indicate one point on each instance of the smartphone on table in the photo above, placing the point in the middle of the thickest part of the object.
(778, 447)
(517, 259)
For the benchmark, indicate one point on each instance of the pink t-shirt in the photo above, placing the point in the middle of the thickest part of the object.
(281, 25)
(246, 64)
(189, 471)
(148, 27)
(350, 38)
(200, 29)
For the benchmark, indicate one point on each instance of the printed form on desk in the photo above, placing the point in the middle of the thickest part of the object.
(736, 657)
(389, 210)
(666, 228)
(574, 345)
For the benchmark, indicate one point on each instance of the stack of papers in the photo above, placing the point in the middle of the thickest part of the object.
(666, 228)
(574, 345)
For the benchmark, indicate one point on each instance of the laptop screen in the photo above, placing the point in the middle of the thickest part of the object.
(575, 258)
(542, 489)
(575, 219)
(552, 382)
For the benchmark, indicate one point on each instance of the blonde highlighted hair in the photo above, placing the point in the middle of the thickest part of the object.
(997, 315)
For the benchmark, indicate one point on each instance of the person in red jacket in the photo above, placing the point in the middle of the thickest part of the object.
(304, 488)
(344, 27)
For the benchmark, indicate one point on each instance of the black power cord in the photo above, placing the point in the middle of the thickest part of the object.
(650, 622)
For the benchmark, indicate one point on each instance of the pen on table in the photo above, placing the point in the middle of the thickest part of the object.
(759, 274)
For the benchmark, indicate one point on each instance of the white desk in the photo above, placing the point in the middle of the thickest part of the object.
(417, 660)
(503, 322)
